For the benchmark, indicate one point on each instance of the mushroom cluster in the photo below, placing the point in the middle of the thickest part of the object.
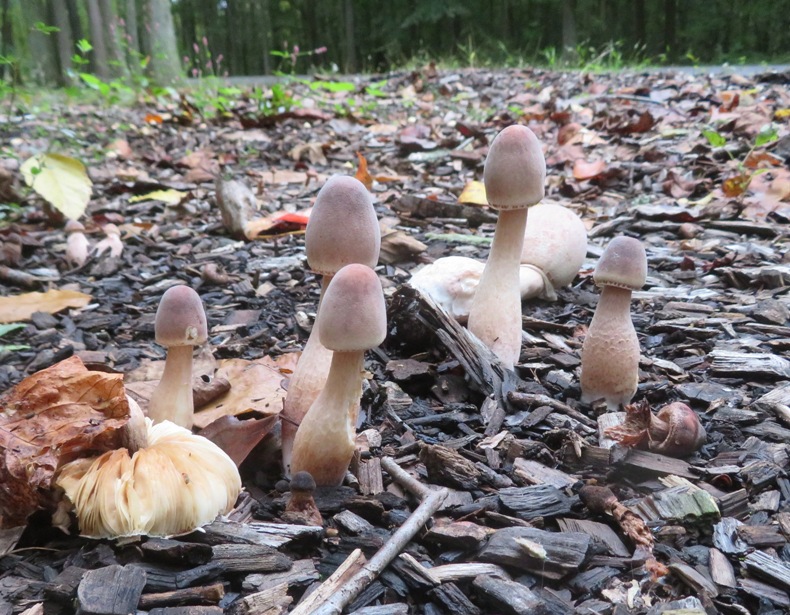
(555, 244)
(342, 210)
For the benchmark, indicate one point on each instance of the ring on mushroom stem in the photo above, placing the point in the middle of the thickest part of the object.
(514, 175)
(610, 353)
(342, 229)
(180, 326)
(352, 319)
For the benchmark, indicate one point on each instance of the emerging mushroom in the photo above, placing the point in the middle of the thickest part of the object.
(301, 507)
(342, 229)
(111, 242)
(352, 319)
(180, 325)
(675, 431)
(77, 246)
(514, 174)
(610, 353)
(555, 244)
(166, 481)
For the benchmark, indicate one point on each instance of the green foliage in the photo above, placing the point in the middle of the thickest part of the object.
(40, 26)
(5, 330)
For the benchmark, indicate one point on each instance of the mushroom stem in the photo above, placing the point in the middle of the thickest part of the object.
(610, 354)
(324, 443)
(533, 283)
(304, 385)
(495, 316)
(172, 399)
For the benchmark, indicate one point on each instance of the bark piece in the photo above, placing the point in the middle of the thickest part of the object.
(559, 553)
(273, 535)
(721, 570)
(506, 596)
(600, 533)
(176, 551)
(728, 362)
(535, 473)
(463, 535)
(63, 588)
(453, 600)
(114, 590)
(272, 601)
(694, 579)
(683, 503)
(302, 573)
(537, 501)
(250, 558)
(204, 595)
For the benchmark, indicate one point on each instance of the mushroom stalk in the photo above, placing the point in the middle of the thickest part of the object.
(172, 400)
(610, 354)
(324, 443)
(495, 316)
(304, 385)
(533, 283)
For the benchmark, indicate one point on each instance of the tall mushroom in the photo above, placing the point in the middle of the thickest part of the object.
(180, 326)
(352, 319)
(555, 244)
(164, 481)
(514, 174)
(342, 229)
(610, 353)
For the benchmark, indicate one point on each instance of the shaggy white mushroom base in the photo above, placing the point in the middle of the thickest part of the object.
(174, 483)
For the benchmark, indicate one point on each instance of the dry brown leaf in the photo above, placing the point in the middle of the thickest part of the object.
(255, 386)
(238, 438)
(22, 307)
(48, 419)
(587, 170)
(362, 173)
(474, 193)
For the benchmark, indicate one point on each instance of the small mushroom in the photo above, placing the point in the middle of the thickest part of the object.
(610, 353)
(352, 319)
(112, 241)
(180, 326)
(342, 229)
(166, 481)
(514, 174)
(301, 507)
(555, 244)
(77, 246)
(675, 431)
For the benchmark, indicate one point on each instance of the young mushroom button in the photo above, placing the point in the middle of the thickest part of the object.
(180, 326)
(351, 320)
(514, 174)
(610, 353)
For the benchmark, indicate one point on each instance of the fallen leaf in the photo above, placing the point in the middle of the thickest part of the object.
(153, 118)
(736, 185)
(255, 386)
(238, 438)
(587, 170)
(22, 307)
(362, 173)
(61, 180)
(170, 196)
(52, 417)
(474, 193)
(277, 223)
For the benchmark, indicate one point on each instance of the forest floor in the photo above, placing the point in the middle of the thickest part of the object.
(696, 166)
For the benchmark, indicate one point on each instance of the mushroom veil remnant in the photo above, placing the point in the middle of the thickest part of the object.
(610, 353)
(342, 229)
(514, 175)
(180, 326)
(352, 319)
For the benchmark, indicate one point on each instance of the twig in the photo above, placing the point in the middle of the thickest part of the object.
(527, 399)
(431, 502)
(19, 278)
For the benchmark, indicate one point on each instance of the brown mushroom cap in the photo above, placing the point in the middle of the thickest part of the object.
(343, 227)
(302, 481)
(515, 169)
(622, 264)
(180, 318)
(353, 315)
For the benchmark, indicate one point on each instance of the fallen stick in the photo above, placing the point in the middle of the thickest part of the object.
(431, 502)
(522, 400)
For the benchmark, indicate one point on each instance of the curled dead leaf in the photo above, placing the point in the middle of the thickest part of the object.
(22, 307)
(583, 170)
(48, 419)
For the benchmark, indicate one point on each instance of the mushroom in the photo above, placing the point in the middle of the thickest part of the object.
(514, 174)
(555, 244)
(301, 507)
(77, 246)
(675, 431)
(610, 353)
(351, 320)
(165, 481)
(342, 229)
(180, 325)
(111, 242)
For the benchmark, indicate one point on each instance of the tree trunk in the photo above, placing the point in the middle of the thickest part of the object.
(113, 37)
(350, 51)
(670, 28)
(132, 36)
(100, 65)
(165, 65)
(6, 34)
(266, 35)
(74, 21)
(43, 58)
(569, 40)
(640, 31)
(65, 41)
